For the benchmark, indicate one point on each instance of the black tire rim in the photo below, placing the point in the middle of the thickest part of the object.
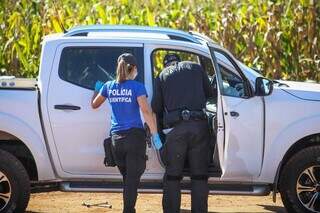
(5, 191)
(308, 188)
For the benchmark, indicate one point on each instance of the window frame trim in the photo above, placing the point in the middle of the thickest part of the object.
(103, 45)
(228, 70)
(171, 49)
(247, 86)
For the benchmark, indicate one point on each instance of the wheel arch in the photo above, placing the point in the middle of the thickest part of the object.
(29, 138)
(286, 141)
(307, 141)
(18, 149)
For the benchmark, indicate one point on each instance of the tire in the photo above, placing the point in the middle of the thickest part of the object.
(14, 184)
(302, 169)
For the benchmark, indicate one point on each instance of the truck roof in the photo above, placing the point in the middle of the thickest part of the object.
(133, 31)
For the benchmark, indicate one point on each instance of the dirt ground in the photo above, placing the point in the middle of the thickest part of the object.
(62, 202)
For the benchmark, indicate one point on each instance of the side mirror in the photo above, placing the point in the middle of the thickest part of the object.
(263, 87)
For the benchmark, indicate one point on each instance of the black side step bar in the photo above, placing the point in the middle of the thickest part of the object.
(156, 187)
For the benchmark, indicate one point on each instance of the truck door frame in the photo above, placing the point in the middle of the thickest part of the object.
(231, 172)
(149, 77)
(48, 125)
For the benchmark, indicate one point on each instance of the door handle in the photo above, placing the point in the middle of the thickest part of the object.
(67, 107)
(234, 114)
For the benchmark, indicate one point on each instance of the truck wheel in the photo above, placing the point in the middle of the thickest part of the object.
(14, 184)
(300, 181)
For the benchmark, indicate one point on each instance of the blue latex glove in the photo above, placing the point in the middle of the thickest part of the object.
(156, 141)
(98, 86)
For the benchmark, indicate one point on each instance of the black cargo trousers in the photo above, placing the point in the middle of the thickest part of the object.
(187, 140)
(129, 151)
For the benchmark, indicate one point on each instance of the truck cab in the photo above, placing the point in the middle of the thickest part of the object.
(260, 127)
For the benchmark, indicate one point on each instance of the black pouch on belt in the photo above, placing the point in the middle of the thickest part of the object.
(171, 118)
(108, 159)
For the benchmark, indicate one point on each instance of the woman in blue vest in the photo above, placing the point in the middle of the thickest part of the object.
(127, 97)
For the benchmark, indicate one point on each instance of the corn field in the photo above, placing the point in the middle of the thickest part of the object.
(279, 37)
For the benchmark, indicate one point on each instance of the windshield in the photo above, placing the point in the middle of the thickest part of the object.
(249, 70)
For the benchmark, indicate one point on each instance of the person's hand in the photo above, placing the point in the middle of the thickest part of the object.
(156, 141)
(98, 86)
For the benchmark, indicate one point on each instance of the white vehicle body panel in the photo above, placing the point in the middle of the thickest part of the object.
(288, 119)
(91, 127)
(245, 156)
(19, 117)
(243, 146)
(305, 91)
(78, 135)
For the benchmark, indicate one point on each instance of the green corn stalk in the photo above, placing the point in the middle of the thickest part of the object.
(280, 37)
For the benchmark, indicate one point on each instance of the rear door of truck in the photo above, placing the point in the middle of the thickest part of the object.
(77, 129)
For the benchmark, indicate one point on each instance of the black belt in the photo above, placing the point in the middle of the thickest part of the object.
(127, 131)
(174, 117)
(187, 115)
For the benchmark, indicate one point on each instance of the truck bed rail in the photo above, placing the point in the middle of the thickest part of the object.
(12, 83)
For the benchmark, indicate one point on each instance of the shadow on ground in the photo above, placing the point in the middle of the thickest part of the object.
(189, 211)
(276, 209)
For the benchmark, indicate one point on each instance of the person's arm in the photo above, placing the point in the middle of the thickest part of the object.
(149, 117)
(97, 100)
(147, 113)
(99, 95)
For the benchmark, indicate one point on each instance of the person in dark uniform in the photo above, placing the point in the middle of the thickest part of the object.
(180, 96)
(127, 97)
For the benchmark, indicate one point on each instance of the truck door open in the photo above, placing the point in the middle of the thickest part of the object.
(240, 126)
(157, 55)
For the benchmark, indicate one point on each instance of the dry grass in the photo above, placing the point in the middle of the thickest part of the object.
(72, 202)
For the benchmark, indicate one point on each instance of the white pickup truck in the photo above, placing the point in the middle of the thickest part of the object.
(266, 134)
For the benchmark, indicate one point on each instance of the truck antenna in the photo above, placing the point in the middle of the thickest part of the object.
(58, 16)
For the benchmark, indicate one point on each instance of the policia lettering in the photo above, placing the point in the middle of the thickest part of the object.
(180, 95)
(125, 95)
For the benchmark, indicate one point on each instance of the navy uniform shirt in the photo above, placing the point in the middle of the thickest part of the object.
(184, 85)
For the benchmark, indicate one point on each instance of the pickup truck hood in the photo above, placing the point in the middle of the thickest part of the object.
(302, 90)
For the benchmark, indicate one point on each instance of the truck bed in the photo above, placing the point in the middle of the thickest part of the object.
(10, 82)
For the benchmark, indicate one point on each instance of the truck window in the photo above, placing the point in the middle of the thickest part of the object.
(233, 84)
(158, 56)
(83, 66)
(206, 63)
